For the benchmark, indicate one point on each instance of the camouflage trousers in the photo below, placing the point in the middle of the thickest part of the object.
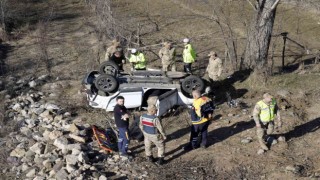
(166, 66)
(266, 129)
(155, 139)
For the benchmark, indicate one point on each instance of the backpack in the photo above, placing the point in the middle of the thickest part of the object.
(207, 109)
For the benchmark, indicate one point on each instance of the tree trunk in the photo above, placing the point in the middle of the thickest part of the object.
(256, 53)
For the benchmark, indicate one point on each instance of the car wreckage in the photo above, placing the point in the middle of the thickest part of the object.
(171, 88)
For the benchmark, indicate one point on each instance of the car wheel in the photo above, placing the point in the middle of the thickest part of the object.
(106, 83)
(191, 83)
(109, 67)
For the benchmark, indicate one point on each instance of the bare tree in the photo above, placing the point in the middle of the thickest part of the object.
(3, 14)
(223, 20)
(42, 40)
(259, 36)
(228, 34)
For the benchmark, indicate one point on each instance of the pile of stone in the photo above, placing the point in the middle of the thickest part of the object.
(51, 144)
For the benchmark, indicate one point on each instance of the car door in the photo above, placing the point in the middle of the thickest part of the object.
(166, 101)
(132, 98)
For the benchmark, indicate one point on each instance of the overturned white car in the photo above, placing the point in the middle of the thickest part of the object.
(171, 88)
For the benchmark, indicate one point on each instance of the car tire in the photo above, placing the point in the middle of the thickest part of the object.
(109, 67)
(106, 83)
(192, 82)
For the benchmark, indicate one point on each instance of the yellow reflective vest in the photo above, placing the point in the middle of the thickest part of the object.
(267, 112)
(189, 55)
(139, 61)
(197, 103)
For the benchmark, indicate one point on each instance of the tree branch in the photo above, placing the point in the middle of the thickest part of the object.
(275, 5)
(253, 6)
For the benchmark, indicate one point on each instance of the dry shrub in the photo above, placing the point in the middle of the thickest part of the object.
(2, 115)
(258, 79)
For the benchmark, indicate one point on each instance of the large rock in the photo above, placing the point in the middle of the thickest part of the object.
(50, 106)
(55, 134)
(37, 136)
(38, 148)
(52, 173)
(46, 134)
(61, 175)
(37, 110)
(31, 173)
(38, 160)
(246, 140)
(24, 167)
(76, 151)
(58, 118)
(47, 164)
(29, 156)
(26, 131)
(22, 145)
(71, 168)
(43, 77)
(61, 143)
(13, 161)
(39, 178)
(29, 98)
(46, 115)
(74, 147)
(71, 159)
(24, 113)
(32, 84)
(294, 168)
(102, 177)
(18, 152)
(77, 138)
(31, 123)
(57, 167)
(260, 152)
(82, 157)
(73, 128)
(17, 107)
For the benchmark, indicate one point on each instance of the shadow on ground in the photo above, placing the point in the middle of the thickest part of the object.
(222, 88)
(224, 133)
(303, 129)
(4, 50)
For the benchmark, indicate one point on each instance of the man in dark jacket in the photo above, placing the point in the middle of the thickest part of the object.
(121, 117)
(119, 59)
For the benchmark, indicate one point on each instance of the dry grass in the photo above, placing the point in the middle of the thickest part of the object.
(2, 117)
(292, 82)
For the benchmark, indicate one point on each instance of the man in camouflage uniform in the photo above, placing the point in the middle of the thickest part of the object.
(214, 68)
(264, 113)
(115, 46)
(167, 54)
(153, 133)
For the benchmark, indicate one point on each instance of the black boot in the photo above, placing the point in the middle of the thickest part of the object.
(150, 159)
(160, 161)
